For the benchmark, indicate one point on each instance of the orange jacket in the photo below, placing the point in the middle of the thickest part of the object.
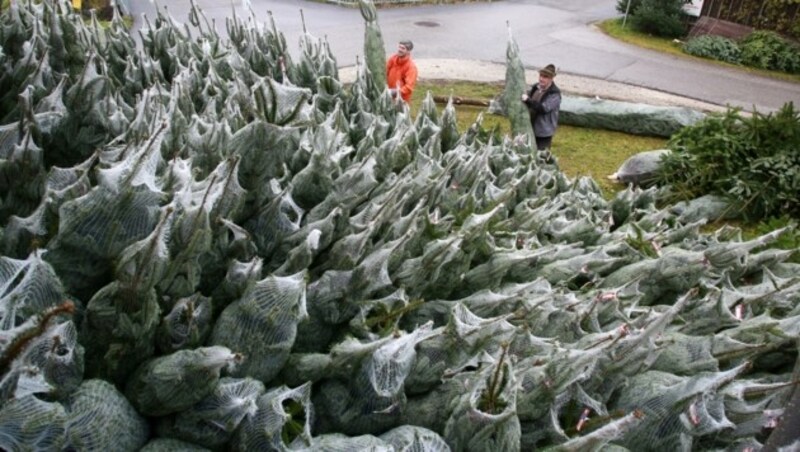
(401, 71)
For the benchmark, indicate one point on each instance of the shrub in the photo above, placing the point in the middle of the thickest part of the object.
(752, 160)
(622, 6)
(659, 17)
(714, 47)
(767, 50)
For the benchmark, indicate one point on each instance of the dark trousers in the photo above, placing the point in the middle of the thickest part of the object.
(543, 143)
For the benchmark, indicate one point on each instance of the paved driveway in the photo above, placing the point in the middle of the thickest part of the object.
(547, 31)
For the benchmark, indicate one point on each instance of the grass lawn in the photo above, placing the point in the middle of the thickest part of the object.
(580, 151)
(598, 153)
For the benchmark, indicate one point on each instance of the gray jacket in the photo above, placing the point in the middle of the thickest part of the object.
(544, 114)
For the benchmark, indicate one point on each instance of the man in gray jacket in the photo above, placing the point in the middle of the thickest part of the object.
(543, 101)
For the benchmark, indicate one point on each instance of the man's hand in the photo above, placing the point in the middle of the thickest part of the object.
(524, 97)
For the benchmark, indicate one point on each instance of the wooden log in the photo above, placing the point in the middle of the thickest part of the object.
(458, 100)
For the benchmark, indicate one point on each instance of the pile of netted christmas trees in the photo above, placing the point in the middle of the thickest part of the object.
(208, 244)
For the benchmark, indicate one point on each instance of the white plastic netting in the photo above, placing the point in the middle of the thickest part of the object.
(100, 224)
(408, 438)
(214, 420)
(262, 325)
(101, 418)
(171, 445)
(281, 421)
(57, 358)
(173, 383)
(27, 287)
(187, 325)
(484, 416)
(462, 292)
(32, 423)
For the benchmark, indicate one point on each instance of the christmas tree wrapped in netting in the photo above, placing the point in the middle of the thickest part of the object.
(209, 244)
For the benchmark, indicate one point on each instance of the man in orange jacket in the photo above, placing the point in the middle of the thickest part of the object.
(401, 72)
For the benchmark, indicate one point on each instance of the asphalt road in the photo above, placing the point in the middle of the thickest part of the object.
(547, 31)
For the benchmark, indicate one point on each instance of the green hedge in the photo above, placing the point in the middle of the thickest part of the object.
(714, 47)
(760, 49)
(768, 50)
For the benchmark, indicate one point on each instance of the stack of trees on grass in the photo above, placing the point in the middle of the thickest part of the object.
(752, 160)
